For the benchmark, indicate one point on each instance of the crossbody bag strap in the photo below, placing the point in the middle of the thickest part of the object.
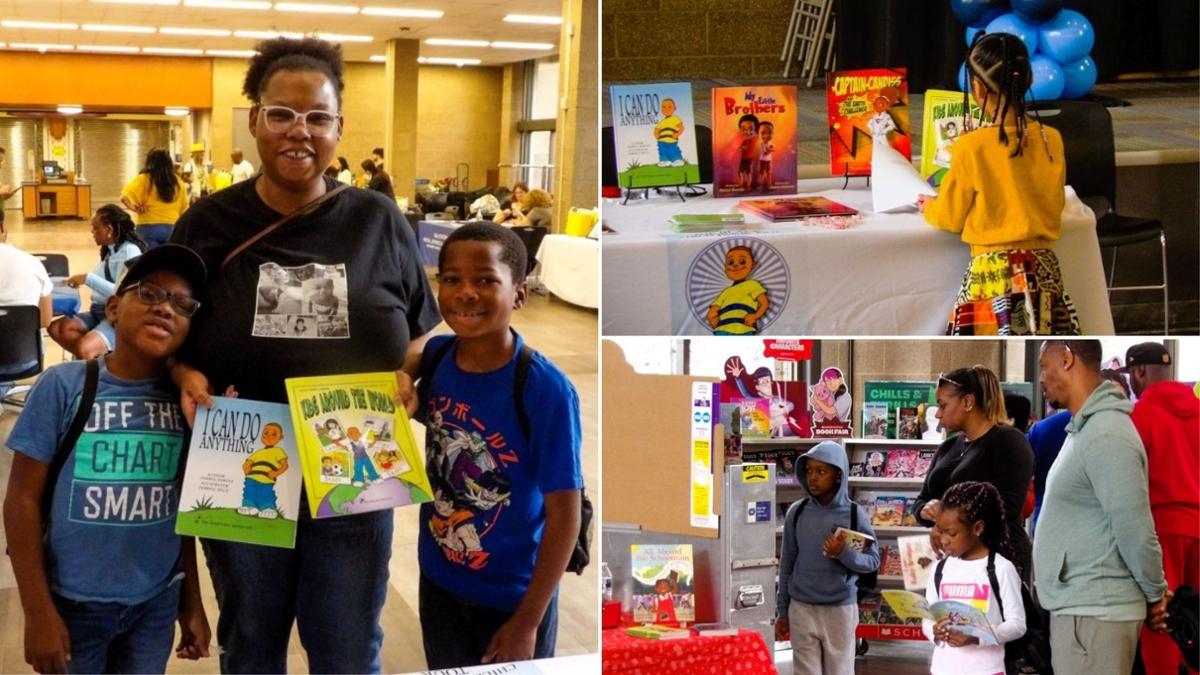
(307, 208)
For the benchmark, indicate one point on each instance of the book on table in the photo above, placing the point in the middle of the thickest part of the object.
(653, 631)
(705, 222)
(795, 208)
(654, 133)
(717, 629)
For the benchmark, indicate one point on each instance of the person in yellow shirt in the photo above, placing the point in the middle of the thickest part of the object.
(737, 309)
(667, 133)
(262, 469)
(1004, 193)
(157, 196)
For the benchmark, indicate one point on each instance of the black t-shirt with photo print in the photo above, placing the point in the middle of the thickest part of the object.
(340, 290)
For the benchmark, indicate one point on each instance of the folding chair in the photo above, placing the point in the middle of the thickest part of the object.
(20, 351)
(1087, 133)
(56, 264)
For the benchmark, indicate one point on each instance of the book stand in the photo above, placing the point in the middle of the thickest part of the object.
(846, 176)
(659, 189)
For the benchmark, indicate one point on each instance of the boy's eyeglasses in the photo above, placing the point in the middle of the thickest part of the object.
(150, 294)
(280, 119)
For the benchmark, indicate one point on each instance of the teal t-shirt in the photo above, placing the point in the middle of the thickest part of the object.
(111, 536)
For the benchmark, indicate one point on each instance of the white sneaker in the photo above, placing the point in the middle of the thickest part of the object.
(678, 162)
(248, 510)
(269, 514)
(357, 483)
(664, 163)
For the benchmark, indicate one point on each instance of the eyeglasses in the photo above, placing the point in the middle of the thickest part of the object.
(280, 119)
(150, 294)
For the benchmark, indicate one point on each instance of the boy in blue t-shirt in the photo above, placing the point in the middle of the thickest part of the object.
(497, 539)
(103, 577)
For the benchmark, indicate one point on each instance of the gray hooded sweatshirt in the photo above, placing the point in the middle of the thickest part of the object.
(804, 572)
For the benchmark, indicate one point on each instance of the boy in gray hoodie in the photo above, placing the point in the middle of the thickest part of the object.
(817, 601)
(1097, 560)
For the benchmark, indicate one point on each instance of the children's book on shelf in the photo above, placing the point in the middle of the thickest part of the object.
(909, 518)
(908, 424)
(901, 463)
(663, 590)
(654, 129)
(889, 511)
(932, 429)
(923, 463)
(875, 465)
(916, 560)
(857, 467)
(964, 617)
(868, 610)
(356, 445)
(854, 540)
(755, 416)
(865, 105)
(875, 419)
(943, 124)
(653, 631)
(785, 467)
(889, 562)
(754, 140)
(717, 629)
(686, 223)
(243, 476)
(896, 395)
(795, 208)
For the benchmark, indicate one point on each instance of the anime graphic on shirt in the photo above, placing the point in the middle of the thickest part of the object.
(305, 302)
(466, 463)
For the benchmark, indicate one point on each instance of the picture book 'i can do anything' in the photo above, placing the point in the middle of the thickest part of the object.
(655, 134)
(356, 444)
(243, 475)
(754, 140)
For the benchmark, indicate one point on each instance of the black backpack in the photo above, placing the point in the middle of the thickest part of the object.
(866, 582)
(581, 556)
(1029, 653)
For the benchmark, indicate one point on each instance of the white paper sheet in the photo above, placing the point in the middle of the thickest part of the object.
(895, 183)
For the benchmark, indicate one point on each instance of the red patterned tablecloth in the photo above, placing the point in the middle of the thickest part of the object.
(744, 653)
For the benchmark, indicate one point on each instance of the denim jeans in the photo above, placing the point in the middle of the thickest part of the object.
(110, 637)
(333, 585)
(155, 235)
(456, 632)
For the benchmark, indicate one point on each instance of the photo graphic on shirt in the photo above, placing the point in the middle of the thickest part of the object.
(470, 489)
(305, 302)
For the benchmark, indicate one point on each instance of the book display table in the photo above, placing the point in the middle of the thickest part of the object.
(571, 268)
(742, 653)
(890, 274)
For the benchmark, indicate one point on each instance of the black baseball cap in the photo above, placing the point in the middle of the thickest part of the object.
(174, 257)
(1146, 354)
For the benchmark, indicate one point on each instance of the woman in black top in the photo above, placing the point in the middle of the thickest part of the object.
(986, 448)
(380, 180)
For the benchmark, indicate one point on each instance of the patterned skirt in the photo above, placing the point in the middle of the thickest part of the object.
(1013, 293)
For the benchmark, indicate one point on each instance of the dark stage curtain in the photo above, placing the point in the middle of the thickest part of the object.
(1132, 36)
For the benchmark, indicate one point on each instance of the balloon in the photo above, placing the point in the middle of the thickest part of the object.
(1080, 77)
(971, 31)
(1013, 25)
(1036, 11)
(971, 12)
(989, 15)
(1067, 37)
(1048, 79)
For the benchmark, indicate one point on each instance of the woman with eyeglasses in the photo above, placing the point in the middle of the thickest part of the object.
(985, 448)
(334, 583)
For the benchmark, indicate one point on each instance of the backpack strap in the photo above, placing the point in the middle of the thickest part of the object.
(854, 516)
(991, 570)
(429, 364)
(524, 360)
(937, 578)
(797, 512)
(91, 382)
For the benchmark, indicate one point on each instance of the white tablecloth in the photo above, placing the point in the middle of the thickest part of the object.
(891, 274)
(571, 268)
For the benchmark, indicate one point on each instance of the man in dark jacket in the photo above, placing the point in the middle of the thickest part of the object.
(1167, 417)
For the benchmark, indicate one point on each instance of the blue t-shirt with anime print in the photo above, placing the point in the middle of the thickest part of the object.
(111, 534)
(479, 537)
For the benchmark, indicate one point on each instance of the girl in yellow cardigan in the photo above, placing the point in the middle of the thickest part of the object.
(1004, 193)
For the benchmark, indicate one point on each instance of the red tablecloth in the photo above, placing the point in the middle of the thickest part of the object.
(743, 653)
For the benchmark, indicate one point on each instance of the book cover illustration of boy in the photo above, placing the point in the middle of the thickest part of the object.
(663, 583)
(941, 126)
(345, 424)
(831, 402)
(866, 106)
(653, 133)
(242, 481)
(754, 140)
(737, 309)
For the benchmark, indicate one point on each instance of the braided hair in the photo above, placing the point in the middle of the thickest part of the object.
(123, 229)
(1001, 62)
(978, 501)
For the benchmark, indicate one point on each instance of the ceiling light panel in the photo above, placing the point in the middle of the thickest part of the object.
(108, 49)
(228, 4)
(522, 45)
(403, 12)
(41, 46)
(339, 37)
(231, 53)
(39, 25)
(265, 34)
(315, 8)
(140, 2)
(447, 61)
(202, 32)
(173, 51)
(453, 42)
(532, 18)
(108, 28)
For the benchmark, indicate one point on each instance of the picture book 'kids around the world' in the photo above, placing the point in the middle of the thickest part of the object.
(243, 475)
(654, 130)
(942, 125)
(754, 140)
(866, 106)
(356, 444)
(663, 583)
